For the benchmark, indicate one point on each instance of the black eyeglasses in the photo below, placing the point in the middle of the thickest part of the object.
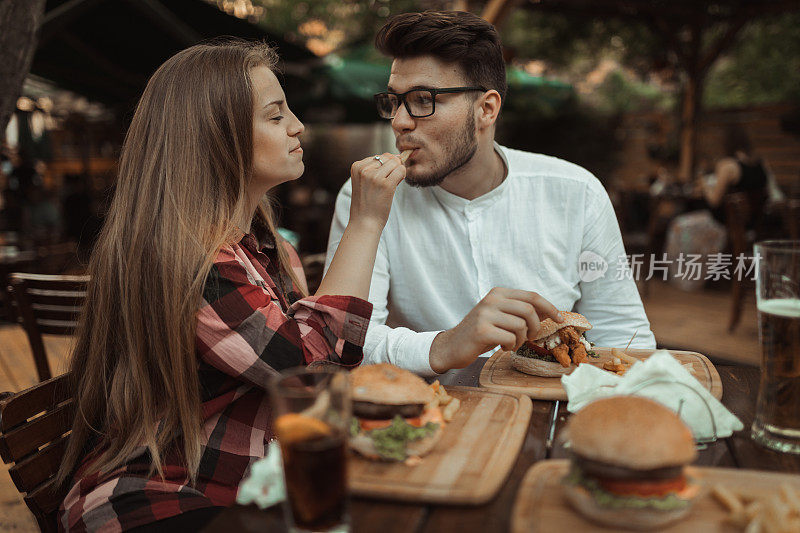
(419, 103)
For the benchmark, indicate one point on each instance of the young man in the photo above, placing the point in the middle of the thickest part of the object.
(473, 216)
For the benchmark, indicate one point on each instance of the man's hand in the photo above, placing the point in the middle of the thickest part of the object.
(505, 317)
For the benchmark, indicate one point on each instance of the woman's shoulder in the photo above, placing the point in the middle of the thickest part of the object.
(728, 170)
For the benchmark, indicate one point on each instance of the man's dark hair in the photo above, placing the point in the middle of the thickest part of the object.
(451, 36)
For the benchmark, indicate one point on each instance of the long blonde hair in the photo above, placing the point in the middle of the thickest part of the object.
(183, 173)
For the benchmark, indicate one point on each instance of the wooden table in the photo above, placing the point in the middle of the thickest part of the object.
(740, 387)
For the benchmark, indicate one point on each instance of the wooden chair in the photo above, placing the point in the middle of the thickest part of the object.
(737, 213)
(791, 218)
(34, 428)
(46, 304)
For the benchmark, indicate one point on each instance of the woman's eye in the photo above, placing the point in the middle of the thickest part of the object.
(278, 118)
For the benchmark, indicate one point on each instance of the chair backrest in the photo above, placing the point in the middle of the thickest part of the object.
(737, 212)
(46, 304)
(34, 428)
(791, 218)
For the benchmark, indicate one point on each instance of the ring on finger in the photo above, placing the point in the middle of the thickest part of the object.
(379, 160)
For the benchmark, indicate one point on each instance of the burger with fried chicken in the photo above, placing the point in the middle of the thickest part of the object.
(557, 348)
(396, 415)
(628, 456)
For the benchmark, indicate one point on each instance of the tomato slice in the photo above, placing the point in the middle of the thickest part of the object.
(538, 349)
(644, 488)
(368, 424)
(429, 415)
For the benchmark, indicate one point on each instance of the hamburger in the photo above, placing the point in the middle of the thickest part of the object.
(628, 455)
(396, 415)
(556, 349)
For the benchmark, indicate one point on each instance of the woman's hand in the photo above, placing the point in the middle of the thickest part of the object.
(374, 183)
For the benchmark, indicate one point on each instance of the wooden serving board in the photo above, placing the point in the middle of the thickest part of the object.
(498, 374)
(469, 463)
(541, 505)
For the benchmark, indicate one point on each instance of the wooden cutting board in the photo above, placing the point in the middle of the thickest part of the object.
(498, 374)
(468, 465)
(541, 505)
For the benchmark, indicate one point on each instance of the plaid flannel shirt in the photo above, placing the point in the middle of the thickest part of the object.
(248, 329)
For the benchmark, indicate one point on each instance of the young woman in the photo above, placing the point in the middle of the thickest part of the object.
(195, 301)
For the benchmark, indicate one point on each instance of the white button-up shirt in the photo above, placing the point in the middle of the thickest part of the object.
(549, 227)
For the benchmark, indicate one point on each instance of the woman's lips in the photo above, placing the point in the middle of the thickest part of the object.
(298, 150)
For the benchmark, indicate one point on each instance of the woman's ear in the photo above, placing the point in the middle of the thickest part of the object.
(488, 109)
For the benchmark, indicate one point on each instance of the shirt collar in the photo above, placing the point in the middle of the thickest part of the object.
(258, 241)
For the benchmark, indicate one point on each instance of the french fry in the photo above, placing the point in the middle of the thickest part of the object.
(615, 352)
(728, 499)
(404, 155)
(775, 515)
(448, 403)
(449, 412)
(791, 497)
(753, 509)
(777, 512)
(754, 526)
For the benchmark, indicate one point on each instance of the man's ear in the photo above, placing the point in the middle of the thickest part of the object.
(488, 109)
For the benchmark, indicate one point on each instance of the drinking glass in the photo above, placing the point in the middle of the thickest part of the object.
(777, 420)
(311, 414)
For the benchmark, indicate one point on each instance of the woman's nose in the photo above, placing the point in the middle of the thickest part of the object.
(296, 127)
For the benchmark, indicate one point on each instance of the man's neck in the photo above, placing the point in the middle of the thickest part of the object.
(483, 173)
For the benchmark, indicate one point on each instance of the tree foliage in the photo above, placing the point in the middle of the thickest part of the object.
(762, 67)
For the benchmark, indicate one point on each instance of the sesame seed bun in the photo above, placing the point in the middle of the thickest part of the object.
(631, 432)
(550, 326)
(387, 384)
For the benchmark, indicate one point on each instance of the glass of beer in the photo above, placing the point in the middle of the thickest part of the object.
(311, 414)
(777, 419)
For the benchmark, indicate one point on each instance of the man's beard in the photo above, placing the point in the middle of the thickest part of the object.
(463, 147)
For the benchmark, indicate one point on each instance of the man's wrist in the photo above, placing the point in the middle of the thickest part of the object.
(437, 357)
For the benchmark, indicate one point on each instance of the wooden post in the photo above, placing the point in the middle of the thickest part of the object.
(496, 11)
(688, 144)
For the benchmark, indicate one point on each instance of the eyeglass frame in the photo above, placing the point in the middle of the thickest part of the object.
(434, 91)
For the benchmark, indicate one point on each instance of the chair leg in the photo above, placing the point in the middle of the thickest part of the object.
(737, 300)
(39, 355)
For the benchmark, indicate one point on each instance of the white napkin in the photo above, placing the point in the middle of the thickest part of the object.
(264, 484)
(588, 383)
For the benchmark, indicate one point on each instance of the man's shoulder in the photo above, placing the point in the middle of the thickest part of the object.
(529, 165)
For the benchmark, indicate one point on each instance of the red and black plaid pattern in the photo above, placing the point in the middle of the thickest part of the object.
(250, 325)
